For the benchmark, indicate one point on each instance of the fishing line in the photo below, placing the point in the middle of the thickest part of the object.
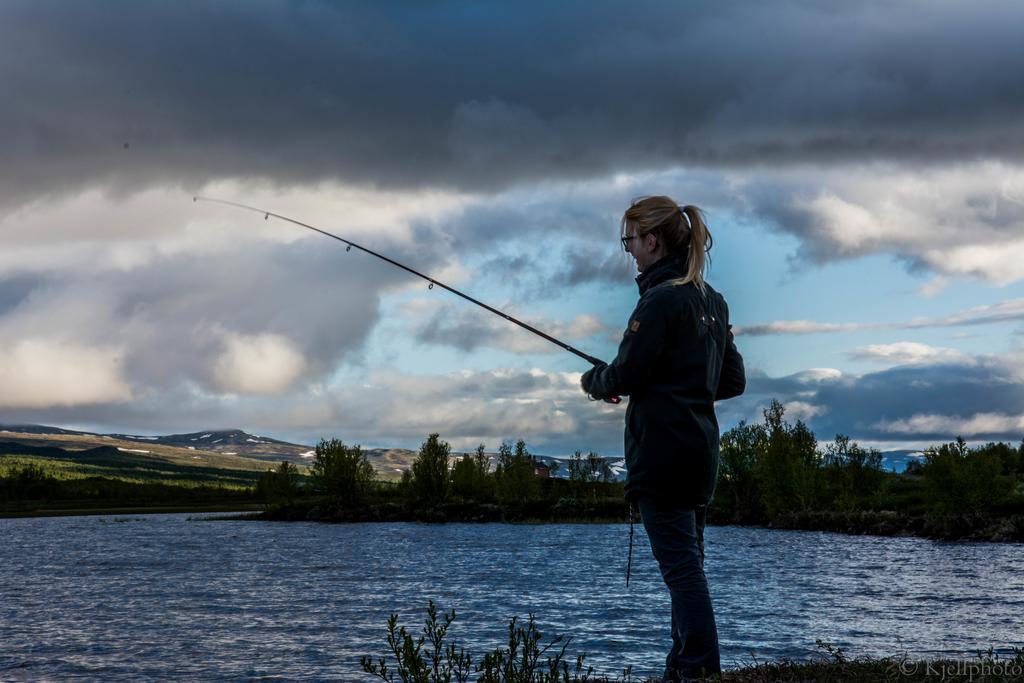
(431, 281)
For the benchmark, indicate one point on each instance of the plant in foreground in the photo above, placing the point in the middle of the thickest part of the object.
(835, 666)
(427, 659)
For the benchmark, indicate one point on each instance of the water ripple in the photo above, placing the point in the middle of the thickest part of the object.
(168, 598)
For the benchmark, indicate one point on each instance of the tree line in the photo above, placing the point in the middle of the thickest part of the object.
(342, 477)
(766, 470)
(776, 467)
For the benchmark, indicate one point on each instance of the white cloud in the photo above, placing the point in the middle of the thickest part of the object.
(1000, 263)
(44, 373)
(974, 425)
(1004, 311)
(1009, 367)
(164, 279)
(852, 228)
(390, 408)
(94, 231)
(961, 219)
(934, 287)
(909, 353)
(801, 410)
(816, 375)
(258, 364)
(795, 327)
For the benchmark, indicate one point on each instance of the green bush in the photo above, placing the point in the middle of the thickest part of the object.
(738, 484)
(341, 472)
(588, 475)
(516, 481)
(28, 482)
(963, 480)
(470, 479)
(430, 471)
(853, 474)
(776, 468)
(788, 466)
(427, 659)
(280, 485)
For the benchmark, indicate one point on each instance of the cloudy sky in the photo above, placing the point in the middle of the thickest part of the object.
(861, 165)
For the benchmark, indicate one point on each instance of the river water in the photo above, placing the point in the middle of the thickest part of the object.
(173, 597)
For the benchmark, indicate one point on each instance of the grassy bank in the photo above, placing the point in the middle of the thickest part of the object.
(612, 509)
(393, 508)
(431, 654)
(900, 668)
(70, 510)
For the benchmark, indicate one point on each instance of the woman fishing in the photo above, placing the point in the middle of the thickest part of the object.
(677, 357)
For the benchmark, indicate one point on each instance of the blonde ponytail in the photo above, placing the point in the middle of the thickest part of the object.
(697, 246)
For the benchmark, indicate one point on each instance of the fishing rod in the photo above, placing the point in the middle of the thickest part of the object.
(350, 244)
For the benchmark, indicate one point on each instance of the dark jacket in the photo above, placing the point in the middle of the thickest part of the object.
(677, 357)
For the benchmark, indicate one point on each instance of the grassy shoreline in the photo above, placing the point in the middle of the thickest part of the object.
(948, 527)
(131, 510)
(890, 669)
(975, 527)
(534, 657)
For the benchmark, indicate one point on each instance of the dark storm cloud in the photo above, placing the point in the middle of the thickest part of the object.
(477, 95)
(462, 332)
(979, 398)
(578, 264)
(537, 217)
(590, 264)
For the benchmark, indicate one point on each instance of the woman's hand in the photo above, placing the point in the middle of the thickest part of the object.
(587, 379)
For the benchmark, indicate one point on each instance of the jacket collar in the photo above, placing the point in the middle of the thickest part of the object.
(666, 268)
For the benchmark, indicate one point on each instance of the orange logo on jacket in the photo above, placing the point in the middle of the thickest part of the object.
(634, 325)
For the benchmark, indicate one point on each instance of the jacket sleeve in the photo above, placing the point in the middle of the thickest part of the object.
(638, 354)
(733, 380)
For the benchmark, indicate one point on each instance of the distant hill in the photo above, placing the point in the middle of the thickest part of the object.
(125, 463)
(232, 442)
(220, 448)
(229, 448)
(37, 429)
(227, 442)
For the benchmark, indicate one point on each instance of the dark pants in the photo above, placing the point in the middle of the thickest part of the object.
(677, 539)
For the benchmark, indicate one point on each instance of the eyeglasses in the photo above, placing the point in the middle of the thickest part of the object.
(625, 241)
